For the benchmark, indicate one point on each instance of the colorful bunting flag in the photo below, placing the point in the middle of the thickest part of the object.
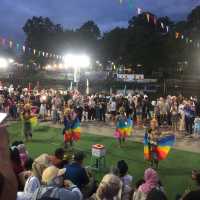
(18, 47)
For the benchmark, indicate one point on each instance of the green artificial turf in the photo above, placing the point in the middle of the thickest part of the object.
(174, 172)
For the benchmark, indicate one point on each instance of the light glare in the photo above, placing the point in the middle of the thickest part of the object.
(77, 61)
(10, 60)
(3, 63)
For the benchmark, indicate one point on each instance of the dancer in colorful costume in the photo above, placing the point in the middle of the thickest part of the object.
(71, 129)
(123, 126)
(156, 147)
(29, 121)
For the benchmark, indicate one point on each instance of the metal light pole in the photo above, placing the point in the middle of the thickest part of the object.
(87, 88)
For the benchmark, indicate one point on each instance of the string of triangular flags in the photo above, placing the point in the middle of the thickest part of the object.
(24, 49)
(178, 35)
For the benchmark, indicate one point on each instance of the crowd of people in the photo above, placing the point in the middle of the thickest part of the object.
(180, 113)
(62, 176)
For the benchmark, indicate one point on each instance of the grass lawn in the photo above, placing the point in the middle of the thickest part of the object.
(174, 172)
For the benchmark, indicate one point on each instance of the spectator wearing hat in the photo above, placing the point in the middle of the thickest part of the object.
(45, 160)
(53, 187)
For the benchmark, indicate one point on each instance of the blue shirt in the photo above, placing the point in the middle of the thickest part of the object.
(77, 174)
(189, 113)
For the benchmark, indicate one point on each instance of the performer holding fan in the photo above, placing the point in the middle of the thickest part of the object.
(71, 129)
(29, 121)
(156, 147)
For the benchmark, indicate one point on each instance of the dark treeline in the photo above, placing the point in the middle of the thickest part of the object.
(157, 50)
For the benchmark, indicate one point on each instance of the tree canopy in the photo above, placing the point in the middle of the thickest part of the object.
(141, 42)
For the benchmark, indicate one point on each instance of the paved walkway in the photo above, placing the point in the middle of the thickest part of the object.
(107, 130)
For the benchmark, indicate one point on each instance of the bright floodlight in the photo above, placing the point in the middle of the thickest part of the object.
(3, 63)
(10, 60)
(76, 61)
(48, 67)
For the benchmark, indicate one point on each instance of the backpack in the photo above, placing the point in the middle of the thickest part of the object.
(157, 194)
(46, 193)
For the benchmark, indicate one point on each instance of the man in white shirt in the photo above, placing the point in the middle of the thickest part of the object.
(113, 107)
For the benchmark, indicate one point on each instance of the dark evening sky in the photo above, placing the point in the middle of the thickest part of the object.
(73, 13)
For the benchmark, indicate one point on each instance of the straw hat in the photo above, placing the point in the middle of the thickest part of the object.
(51, 173)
